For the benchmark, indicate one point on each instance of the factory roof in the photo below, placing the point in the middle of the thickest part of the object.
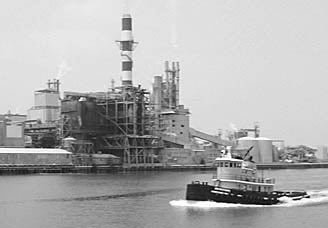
(257, 138)
(47, 91)
(32, 151)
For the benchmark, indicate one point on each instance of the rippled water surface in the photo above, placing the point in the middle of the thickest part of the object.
(151, 199)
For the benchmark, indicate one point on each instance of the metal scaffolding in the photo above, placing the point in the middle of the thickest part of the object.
(115, 122)
(137, 150)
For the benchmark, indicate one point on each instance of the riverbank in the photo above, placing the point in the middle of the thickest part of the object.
(34, 169)
(293, 165)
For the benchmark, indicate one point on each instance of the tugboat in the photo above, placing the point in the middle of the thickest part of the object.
(236, 181)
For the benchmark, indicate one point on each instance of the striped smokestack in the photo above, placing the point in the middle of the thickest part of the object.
(126, 46)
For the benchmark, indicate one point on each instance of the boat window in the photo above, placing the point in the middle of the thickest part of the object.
(226, 164)
(221, 164)
(230, 165)
(239, 165)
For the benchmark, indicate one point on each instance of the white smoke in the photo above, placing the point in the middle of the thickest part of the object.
(63, 69)
(173, 16)
(233, 127)
(126, 6)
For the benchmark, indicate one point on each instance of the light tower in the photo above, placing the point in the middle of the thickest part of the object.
(127, 45)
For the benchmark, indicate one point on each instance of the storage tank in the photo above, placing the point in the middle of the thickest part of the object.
(261, 151)
(266, 150)
(245, 143)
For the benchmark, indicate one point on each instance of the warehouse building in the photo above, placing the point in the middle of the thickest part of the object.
(34, 156)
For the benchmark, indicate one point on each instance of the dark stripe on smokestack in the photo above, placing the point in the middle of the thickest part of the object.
(127, 22)
(126, 45)
(126, 66)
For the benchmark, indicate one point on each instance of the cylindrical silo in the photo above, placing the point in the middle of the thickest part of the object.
(245, 143)
(266, 150)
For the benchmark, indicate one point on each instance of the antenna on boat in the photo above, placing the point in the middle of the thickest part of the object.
(249, 150)
(228, 152)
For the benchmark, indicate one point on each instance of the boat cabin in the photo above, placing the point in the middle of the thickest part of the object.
(238, 174)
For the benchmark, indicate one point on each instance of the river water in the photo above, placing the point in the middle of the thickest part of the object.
(151, 199)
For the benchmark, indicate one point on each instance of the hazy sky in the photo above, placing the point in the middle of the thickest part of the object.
(241, 61)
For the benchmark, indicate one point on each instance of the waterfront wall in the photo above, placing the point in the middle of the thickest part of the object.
(34, 157)
(292, 165)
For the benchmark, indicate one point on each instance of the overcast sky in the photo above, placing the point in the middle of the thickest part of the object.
(241, 61)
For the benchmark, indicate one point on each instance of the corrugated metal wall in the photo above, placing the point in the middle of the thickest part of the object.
(35, 159)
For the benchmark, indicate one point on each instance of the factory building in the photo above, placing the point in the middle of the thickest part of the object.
(12, 130)
(172, 119)
(115, 122)
(176, 124)
(46, 107)
(172, 123)
(43, 119)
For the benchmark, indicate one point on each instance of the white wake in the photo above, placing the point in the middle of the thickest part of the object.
(317, 197)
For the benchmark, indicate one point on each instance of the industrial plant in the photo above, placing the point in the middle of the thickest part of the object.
(125, 126)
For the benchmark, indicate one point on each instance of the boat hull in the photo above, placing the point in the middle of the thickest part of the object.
(204, 192)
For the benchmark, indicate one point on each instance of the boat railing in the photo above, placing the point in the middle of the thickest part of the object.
(245, 178)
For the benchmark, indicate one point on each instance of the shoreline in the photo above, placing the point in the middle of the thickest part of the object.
(292, 165)
(37, 169)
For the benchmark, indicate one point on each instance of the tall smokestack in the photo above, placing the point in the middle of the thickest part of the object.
(126, 46)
